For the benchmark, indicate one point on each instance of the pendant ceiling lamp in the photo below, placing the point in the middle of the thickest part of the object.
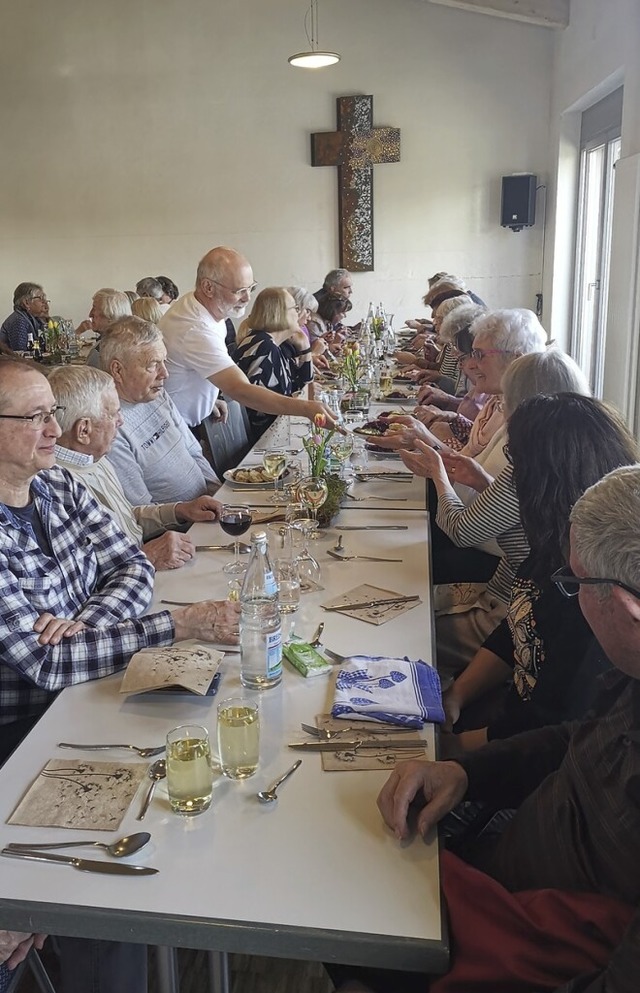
(314, 59)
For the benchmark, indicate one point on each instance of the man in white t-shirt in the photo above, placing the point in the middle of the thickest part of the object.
(194, 333)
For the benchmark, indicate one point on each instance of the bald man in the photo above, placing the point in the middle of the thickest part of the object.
(194, 332)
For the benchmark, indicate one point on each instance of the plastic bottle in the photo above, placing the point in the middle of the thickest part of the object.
(260, 632)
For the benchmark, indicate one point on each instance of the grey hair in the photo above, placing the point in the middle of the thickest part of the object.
(333, 278)
(439, 277)
(25, 292)
(548, 372)
(604, 528)
(80, 389)
(112, 303)
(149, 287)
(126, 336)
(303, 299)
(458, 319)
(451, 304)
(516, 330)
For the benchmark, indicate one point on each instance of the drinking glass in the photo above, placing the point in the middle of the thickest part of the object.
(303, 527)
(313, 492)
(340, 448)
(238, 737)
(189, 772)
(274, 461)
(287, 577)
(234, 521)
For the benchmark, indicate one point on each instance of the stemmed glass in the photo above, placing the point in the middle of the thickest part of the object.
(308, 567)
(313, 491)
(234, 521)
(340, 448)
(274, 461)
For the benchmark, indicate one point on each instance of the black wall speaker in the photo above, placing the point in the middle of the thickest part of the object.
(518, 209)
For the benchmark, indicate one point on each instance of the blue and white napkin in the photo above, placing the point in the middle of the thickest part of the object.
(393, 691)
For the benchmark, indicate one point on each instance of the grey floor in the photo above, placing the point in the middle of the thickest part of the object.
(248, 974)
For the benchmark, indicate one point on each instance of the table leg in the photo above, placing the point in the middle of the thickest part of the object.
(219, 980)
(167, 963)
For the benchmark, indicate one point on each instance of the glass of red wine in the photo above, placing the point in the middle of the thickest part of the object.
(235, 521)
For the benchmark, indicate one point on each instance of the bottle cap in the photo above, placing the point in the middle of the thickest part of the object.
(258, 536)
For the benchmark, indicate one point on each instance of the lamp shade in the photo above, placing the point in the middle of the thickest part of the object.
(313, 60)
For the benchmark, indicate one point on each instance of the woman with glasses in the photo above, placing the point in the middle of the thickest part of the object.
(558, 446)
(272, 351)
(30, 313)
(307, 308)
(467, 611)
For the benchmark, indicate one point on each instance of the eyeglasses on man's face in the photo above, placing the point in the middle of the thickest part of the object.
(569, 584)
(241, 291)
(482, 353)
(41, 297)
(38, 419)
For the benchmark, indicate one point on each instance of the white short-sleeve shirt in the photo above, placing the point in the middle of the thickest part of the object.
(195, 350)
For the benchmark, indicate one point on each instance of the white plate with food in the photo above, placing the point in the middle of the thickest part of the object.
(253, 476)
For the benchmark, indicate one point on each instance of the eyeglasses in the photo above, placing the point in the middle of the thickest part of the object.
(236, 293)
(570, 584)
(40, 297)
(506, 451)
(481, 353)
(37, 420)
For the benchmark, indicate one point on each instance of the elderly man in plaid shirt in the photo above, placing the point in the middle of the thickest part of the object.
(73, 589)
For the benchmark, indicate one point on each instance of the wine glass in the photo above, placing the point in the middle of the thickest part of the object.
(313, 491)
(340, 448)
(274, 461)
(304, 525)
(234, 521)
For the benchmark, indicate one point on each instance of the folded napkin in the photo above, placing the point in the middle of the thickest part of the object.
(394, 691)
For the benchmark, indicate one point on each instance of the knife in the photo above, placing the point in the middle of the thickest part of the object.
(372, 603)
(372, 527)
(342, 745)
(85, 865)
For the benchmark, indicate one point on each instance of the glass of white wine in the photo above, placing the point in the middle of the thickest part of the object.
(313, 491)
(340, 449)
(189, 770)
(275, 461)
(238, 737)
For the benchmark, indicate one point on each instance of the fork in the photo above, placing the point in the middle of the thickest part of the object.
(145, 753)
(350, 558)
(350, 496)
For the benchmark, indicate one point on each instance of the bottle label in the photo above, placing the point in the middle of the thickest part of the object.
(274, 653)
(270, 585)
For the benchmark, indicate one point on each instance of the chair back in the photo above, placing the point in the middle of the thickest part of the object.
(230, 442)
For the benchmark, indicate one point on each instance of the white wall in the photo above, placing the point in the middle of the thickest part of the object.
(139, 134)
(597, 53)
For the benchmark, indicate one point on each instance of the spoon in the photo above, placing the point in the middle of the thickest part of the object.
(120, 848)
(268, 796)
(317, 637)
(156, 772)
(338, 547)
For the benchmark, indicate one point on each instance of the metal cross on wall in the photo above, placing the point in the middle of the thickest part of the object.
(355, 148)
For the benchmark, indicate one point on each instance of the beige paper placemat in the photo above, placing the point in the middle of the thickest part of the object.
(90, 796)
(372, 615)
(188, 665)
(370, 758)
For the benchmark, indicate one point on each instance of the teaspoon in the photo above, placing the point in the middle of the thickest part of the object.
(120, 848)
(268, 796)
(156, 772)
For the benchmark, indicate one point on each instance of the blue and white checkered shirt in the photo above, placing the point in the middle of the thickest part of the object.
(96, 576)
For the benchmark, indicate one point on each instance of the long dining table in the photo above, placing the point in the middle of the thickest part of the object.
(315, 876)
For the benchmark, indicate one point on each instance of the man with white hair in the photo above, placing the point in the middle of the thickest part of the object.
(107, 306)
(30, 313)
(89, 419)
(156, 457)
(194, 333)
(562, 881)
